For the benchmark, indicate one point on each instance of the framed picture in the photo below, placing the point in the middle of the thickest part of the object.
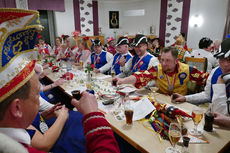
(113, 19)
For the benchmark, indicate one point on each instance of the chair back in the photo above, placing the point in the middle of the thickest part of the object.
(199, 63)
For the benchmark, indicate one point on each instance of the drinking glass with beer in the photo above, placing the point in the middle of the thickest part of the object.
(81, 63)
(197, 115)
(128, 113)
(174, 137)
(113, 73)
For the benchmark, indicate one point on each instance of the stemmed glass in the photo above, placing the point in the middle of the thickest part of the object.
(174, 137)
(197, 115)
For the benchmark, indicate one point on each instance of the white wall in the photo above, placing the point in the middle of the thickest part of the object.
(214, 16)
(64, 21)
(129, 24)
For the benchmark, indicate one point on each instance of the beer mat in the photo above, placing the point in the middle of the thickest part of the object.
(103, 77)
(195, 139)
(127, 90)
(104, 108)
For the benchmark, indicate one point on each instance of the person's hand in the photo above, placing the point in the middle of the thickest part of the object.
(63, 112)
(119, 80)
(122, 61)
(179, 98)
(87, 103)
(50, 113)
(59, 82)
(220, 80)
(221, 119)
(96, 70)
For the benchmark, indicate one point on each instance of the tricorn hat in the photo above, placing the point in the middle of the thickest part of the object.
(17, 54)
(122, 41)
(139, 39)
(224, 50)
(96, 42)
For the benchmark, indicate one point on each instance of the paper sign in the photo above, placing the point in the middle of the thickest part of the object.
(142, 108)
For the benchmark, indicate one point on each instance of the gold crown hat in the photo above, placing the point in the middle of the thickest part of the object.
(18, 33)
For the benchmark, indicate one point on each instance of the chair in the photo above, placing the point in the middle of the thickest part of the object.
(199, 63)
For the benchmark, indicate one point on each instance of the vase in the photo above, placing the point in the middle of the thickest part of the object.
(89, 77)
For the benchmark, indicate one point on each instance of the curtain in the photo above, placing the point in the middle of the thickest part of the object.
(227, 24)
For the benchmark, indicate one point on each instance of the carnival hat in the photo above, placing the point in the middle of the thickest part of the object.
(224, 50)
(122, 41)
(110, 39)
(17, 54)
(96, 42)
(139, 39)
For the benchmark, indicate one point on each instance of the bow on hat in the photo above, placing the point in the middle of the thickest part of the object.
(17, 42)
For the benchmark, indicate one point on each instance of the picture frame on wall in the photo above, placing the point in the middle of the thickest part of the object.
(114, 19)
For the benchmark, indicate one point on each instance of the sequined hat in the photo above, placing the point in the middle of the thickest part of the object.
(224, 50)
(17, 41)
(139, 39)
(122, 41)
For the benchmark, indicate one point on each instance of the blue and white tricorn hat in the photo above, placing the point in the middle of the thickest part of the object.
(224, 50)
(17, 55)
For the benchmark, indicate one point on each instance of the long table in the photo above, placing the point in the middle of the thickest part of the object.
(147, 141)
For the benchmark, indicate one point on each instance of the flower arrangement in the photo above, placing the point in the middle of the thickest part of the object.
(89, 68)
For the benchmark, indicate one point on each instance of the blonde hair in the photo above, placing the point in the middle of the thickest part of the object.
(72, 42)
(83, 42)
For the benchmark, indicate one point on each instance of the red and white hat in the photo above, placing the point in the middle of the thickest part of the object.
(17, 54)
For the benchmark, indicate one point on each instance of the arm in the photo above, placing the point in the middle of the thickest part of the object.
(153, 62)
(127, 68)
(221, 120)
(128, 80)
(143, 77)
(219, 97)
(46, 141)
(197, 76)
(108, 65)
(44, 105)
(99, 135)
(53, 85)
(203, 96)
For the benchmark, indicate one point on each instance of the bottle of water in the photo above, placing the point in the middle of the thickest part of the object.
(68, 66)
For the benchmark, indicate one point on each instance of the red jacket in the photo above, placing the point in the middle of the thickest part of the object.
(99, 135)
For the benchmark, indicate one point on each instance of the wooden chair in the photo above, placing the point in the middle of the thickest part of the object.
(201, 65)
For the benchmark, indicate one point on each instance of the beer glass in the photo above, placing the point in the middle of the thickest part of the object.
(128, 113)
(197, 115)
(174, 137)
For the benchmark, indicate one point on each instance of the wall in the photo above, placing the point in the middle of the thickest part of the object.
(64, 21)
(130, 24)
(214, 15)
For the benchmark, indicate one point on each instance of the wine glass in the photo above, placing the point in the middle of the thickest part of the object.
(197, 115)
(174, 137)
